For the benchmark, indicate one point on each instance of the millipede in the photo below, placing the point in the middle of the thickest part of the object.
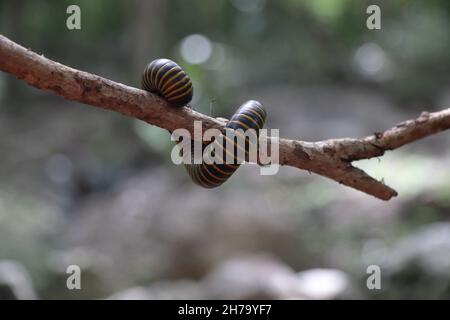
(168, 80)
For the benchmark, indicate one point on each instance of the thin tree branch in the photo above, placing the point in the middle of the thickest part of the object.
(330, 158)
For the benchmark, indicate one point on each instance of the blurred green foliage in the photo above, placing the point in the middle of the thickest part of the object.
(301, 42)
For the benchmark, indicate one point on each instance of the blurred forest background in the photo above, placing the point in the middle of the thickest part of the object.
(84, 186)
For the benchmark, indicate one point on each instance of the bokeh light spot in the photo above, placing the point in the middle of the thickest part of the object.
(196, 49)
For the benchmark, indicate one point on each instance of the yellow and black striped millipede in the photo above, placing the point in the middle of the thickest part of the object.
(167, 79)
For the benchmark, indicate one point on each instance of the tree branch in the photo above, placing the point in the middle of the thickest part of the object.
(330, 158)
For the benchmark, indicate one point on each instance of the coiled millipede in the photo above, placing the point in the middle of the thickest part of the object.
(168, 80)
